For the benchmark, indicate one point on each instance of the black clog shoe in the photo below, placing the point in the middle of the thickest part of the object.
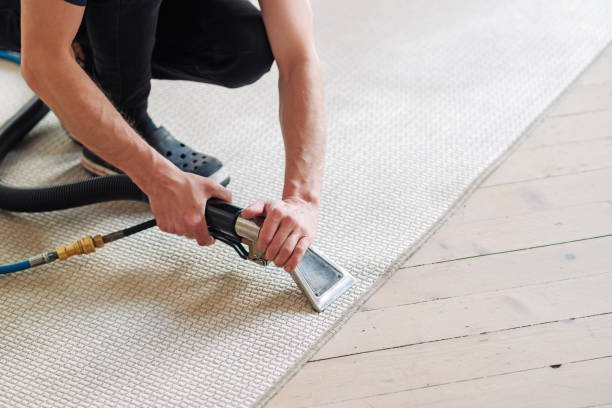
(178, 153)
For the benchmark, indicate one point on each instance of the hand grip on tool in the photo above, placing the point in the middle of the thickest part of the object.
(321, 280)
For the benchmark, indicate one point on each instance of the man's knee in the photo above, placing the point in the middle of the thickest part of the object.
(248, 69)
(256, 59)
(232, 52)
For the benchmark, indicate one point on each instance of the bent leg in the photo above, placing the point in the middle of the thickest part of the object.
(222, 42)
(121, 37)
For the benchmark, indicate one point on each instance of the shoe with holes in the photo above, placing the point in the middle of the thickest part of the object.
(181, 155)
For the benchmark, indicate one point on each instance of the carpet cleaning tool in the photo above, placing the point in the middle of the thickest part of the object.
(321, 280)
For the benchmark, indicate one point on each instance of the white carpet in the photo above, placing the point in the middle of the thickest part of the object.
(422, 96)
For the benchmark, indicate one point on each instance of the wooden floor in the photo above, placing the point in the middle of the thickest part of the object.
(509, 304)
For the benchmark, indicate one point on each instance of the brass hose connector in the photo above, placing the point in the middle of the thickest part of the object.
(83, 246)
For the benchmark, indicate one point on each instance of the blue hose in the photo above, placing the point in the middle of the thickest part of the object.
(16, 267)
(23, 265)
(10, 56)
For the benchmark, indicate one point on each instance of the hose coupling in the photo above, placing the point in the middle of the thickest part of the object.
(83, 246)
(248, 230)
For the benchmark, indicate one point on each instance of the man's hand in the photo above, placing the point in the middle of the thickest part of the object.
(288, 230)
(178, 201)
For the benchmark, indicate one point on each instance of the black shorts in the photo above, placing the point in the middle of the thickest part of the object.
(220, 42)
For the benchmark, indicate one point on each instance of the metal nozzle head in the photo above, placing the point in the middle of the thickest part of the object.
(321, 280)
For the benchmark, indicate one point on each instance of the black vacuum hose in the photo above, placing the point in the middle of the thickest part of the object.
(220, 216)
(59, 197)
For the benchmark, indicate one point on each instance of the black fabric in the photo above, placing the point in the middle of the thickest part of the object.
(78, 2)
(10, 38)
(220, 42)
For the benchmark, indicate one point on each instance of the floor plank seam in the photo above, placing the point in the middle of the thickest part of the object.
(462, 336)
(571, 142)
(506, 251)
(468, 380)
(366, 309)
(605, 404)
(547, 177)
(586, 112)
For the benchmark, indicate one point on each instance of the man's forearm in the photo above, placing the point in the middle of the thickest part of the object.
(302, 117)
(88, 114)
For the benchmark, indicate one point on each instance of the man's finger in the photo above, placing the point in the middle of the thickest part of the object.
(201, 234)
(222, 193)
(278, 240)
(297, 255)
(287, 249)
(179, 230)
(254, 209)
(274, 216)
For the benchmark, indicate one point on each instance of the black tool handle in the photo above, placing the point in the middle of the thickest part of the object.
(221, 216)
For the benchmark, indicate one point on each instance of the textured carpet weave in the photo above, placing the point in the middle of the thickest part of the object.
(422, 97)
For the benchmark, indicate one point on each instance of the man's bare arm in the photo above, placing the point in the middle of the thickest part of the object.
(291, 222)
(289, 28)
(49, 67)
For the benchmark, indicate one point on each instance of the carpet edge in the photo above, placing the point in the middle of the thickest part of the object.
(403, 258)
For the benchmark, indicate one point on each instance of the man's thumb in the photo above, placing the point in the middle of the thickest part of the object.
(254, 210)
(223, 193)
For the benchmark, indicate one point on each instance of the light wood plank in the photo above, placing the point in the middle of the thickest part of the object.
(429, 364)
(516, 232)
(570, 129)
(521, 232)
(584, 98)
(600, 72)
(523, 215)
(535, 196)
(471, 315)
(574, 385)
(495, 272)
(552, 161)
